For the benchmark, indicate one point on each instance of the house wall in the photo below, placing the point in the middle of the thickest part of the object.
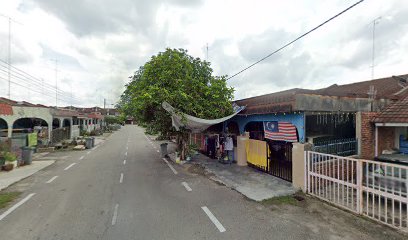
(297, 119)
(366, 134)
(28, 112)
(386, 138)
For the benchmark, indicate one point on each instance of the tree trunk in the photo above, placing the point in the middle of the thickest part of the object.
(182, 145)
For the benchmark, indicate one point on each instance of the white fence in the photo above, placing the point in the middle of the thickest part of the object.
(374, 189)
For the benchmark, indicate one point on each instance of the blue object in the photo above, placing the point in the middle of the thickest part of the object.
(403, 145)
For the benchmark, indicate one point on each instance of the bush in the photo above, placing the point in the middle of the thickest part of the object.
(9, 156)
(83, 133)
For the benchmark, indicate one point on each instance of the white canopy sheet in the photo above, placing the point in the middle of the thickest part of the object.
(195, 124)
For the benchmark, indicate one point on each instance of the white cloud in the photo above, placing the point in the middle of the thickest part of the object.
(99, 45)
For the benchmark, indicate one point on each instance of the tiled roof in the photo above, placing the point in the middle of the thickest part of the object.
(284, 101)
(20, 104)
(95, 115)
(394, 113)
(6, 109)
(384, 87)
(64, 112)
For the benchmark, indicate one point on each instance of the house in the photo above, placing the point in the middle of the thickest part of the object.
(391, 132)
(332, 120)
(17, 118)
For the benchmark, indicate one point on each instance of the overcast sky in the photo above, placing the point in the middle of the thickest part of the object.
(100, 43)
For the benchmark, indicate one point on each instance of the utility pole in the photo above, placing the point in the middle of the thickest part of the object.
(9, 52)
(56, 82)
(72, 99)
(9, 59)
(104, 103)
(375, 22)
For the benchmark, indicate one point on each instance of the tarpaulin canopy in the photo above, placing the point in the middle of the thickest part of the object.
(193, 123)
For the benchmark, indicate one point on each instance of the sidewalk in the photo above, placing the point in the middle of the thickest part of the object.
(17, 174)
(252, 183)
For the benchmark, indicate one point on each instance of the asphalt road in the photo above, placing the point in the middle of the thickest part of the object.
(123, 189)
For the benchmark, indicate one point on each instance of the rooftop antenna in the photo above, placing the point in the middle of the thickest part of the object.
(207, 53)
(9, 52)
(371, 96)
(375, 22)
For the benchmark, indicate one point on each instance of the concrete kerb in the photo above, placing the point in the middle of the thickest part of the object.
(18, 174)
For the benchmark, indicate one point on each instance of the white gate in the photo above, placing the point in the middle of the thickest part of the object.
(374, 189)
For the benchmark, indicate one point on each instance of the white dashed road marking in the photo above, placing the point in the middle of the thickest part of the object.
(171, 167)
(10, 210)
(125, 153)
(124, 162)
(72, 164)
(81, 158)
(121, 178)
(115, 214)
(213, 219)
(88, 152)
(52, 179)
(188, 188)
(158, 151)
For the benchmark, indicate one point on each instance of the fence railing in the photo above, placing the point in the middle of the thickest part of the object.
(340, 147)
(59, 134)
(374, 189)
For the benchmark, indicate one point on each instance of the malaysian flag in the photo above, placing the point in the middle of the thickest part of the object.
(280, 131)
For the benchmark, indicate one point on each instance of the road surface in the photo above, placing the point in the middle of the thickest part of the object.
(123, 189)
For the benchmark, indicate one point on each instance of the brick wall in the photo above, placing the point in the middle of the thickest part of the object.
(386, 138)
(367, 135)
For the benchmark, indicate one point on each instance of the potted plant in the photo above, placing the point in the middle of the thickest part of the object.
(10, 161)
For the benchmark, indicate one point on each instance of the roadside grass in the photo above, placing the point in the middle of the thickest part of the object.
(293, 199)
(6, 198)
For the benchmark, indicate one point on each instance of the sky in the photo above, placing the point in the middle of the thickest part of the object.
(89, 48)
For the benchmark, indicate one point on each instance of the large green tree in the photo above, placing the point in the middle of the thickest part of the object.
(184, 82)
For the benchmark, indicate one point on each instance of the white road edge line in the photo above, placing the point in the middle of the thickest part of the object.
(121, 178)
(10, 210)
(171, 167)
(52, 179)
(115, 214)
(72, 164)
(188, 188)
(124, 162)
(213, 219)
(81, 158)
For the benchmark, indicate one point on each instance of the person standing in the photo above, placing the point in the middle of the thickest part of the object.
(229, 147)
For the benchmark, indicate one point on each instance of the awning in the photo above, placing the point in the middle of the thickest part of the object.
(193, 123)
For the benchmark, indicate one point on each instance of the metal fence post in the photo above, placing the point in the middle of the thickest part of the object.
(307, 180)
(359, 183)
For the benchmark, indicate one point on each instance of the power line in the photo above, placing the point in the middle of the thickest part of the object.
(296, 39)
(28, 85)
(10, 20)
(18, 78)
(24, 76)
(29, 76)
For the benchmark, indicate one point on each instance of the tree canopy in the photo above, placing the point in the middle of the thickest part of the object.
(184, 82)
